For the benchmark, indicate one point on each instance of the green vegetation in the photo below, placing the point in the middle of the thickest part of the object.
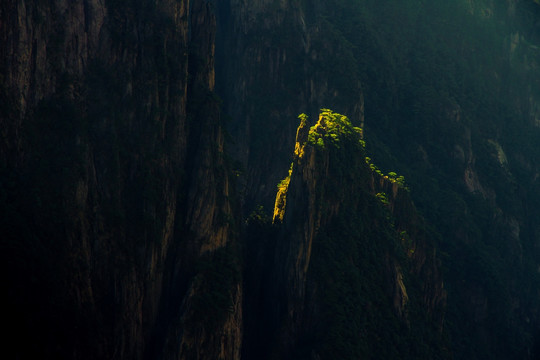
(382, 197)
(283, 184)
(331, 129)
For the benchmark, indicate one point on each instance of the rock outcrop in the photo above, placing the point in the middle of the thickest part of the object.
(352, 257)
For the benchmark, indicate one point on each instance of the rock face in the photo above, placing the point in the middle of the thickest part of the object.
(352, 257)
(281, 59)
(110, 236)
(468, 150)
(122, 227)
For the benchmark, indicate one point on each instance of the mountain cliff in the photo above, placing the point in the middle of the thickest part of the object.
(112, 247)
(355, 265)
(142, 141)
(446, 95)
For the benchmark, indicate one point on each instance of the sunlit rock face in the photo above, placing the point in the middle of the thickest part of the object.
(351, 255)
(279, 58)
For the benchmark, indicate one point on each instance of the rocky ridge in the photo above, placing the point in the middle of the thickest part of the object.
(332, 204)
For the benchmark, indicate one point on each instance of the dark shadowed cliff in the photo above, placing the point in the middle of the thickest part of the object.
(141, 143)
(118, 239)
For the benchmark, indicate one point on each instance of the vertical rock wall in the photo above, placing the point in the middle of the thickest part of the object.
(109, 130)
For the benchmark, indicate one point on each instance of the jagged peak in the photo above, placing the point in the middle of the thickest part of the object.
(334, 210)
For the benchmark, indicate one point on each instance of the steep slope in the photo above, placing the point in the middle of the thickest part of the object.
(448, 92)
(116, 233)
(356, 270)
